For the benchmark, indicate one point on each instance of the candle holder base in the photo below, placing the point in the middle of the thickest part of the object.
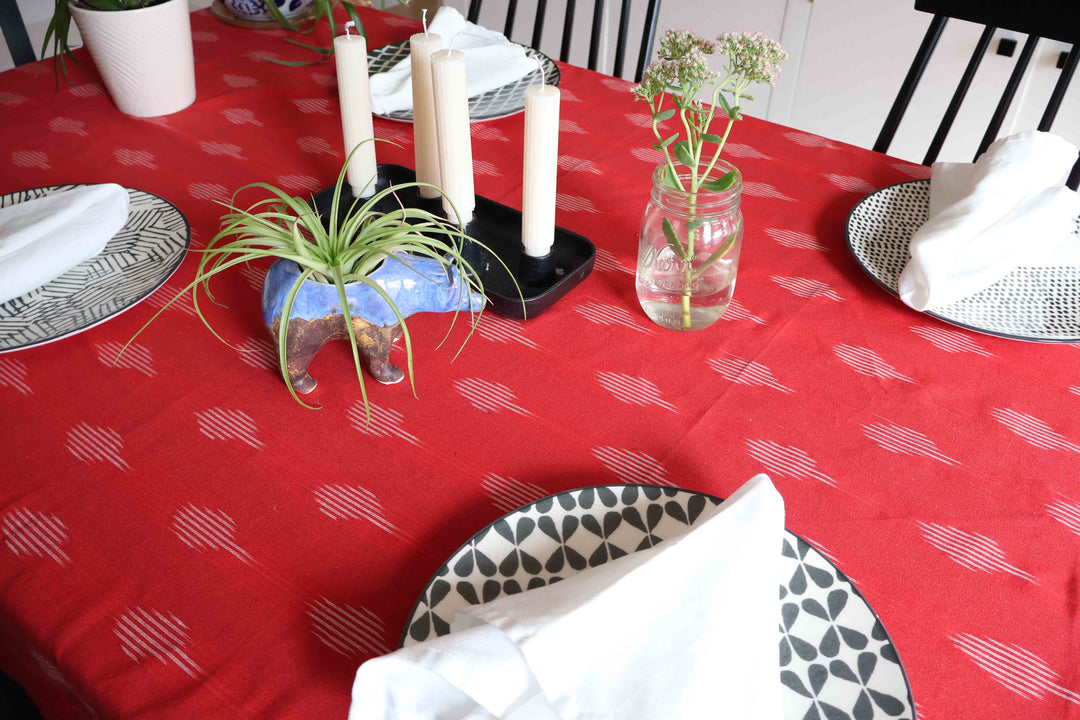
(498, 256)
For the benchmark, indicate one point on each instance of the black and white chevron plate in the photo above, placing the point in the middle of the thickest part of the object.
(1038, 304)
(133, 264)
(498, 103)
(836, 661)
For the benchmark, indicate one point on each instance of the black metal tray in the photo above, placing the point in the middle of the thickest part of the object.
(542, 282)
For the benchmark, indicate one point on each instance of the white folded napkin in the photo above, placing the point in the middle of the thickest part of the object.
(1009, 209)
(491, 61)
(687, 629)
(42, 239)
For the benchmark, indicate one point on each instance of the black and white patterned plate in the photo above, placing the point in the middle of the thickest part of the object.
(835, 659)
(133, 264)
(498, 103)
(1039, 304)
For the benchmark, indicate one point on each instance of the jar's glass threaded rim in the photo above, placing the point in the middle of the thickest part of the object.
(703, 202)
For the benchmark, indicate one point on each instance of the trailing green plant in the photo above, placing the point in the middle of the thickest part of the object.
(346, 249)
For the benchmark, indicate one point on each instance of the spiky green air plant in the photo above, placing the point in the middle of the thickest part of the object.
(348, 249)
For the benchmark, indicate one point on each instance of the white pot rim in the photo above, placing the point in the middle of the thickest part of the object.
(76, 6)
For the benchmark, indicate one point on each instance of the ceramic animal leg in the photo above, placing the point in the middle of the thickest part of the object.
(306, 337)
(375, 344)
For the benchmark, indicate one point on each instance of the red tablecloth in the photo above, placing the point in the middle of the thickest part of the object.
(167, 547)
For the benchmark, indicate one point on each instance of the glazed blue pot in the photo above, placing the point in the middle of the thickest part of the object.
(416, 284)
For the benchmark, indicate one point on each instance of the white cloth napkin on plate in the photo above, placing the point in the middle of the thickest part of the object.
(685, 630)
(491, 61)
(42, 239)
(1009, 209)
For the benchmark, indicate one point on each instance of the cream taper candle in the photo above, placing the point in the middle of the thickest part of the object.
(356, 125)
(452, 128)
(541, 169)
(425, 140)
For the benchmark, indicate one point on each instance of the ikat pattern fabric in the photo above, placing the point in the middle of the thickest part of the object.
(180, 539)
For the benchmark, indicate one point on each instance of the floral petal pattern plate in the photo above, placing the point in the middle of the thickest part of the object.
(1038, 304)
(835, 659)
(498, 103)
(133, 264)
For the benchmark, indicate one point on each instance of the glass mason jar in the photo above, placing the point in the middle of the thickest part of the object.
(688, 253)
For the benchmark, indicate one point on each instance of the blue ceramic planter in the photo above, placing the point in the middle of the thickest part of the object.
(416, 284)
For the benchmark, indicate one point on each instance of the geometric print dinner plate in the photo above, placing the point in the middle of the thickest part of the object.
(133, 264)
(498, 103)
(1038, 304)
(836, 661)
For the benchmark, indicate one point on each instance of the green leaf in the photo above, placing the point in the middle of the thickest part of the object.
(673, 239)
(665, 115)
(712, 137)
(681, 150)
(724, 103)
(668, 141)
(748, 97)
(694, 223)
(721, 183)
(734, 113)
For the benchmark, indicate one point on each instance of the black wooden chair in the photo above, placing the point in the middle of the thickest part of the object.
(1052, 19)
(648, 34)
(18, 42)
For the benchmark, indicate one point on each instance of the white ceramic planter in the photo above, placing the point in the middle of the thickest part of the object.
(144, 56)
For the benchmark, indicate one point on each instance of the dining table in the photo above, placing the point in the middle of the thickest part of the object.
(181, 538)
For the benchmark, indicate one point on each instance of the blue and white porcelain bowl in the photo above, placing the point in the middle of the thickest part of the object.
(257, 9)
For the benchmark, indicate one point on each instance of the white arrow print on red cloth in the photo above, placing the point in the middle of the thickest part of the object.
(644, 120)
(603, 314)
(760, 189)
(481, 131)
(157, 635)
(208, 191)
(239, 81)
(341, 502)
(30, 533)
(616, 84)
(919, 172)
(905, 441)
(87, 90)
(606, 261)
(313, 106)
(849, 183)
(573, 203)
(30, 158)
(394, 133)
(648, 154)
(96, 444)
(740, 150)
(13, 375)
(567, 96)
(737, 311)
(746, 372)
(632, 467)
(483, 167)
(633, 390)
(573, 164)
(255, 276)
(201, 529)
(806, 288)
(507, 493)
(808, 140)
(9, 99)
(68, 125)
(219, 424)
(972, 550)
(795, 239)
(135, 357)
(489, 396)
(258, 353)
(1066, 512)
(299, 183)
(131, 158)
(324, 79)
(241, 116)
(222, 149)
(951, 341)
(498, 329)
(165, 294)
(571, 127)
(1074, 389)
(867, 362)
(348, 630)
(1020, 670)
(204, 36)
(786, 461)
(1033, 430)
(385, 422)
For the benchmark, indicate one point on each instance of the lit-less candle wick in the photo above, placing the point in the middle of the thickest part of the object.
(423, 13)
(349, 25)
(540, 65)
